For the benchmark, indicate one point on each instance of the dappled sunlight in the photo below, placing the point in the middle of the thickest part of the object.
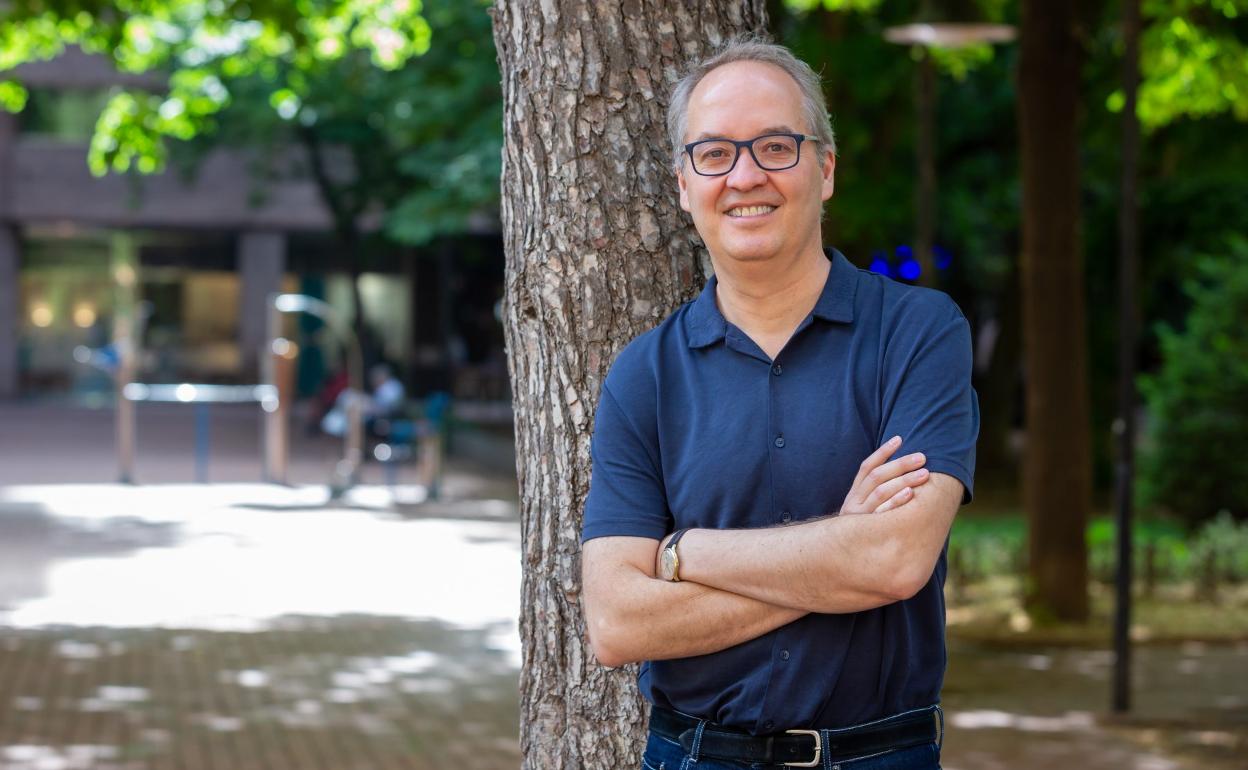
(975, 720)
(243, 555)
(73, 757)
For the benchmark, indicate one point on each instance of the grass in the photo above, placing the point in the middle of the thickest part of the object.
(1196, 592)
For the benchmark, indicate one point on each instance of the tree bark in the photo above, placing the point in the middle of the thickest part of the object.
(598, 251)
(1057, 475)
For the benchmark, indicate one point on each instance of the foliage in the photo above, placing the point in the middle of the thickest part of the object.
(981, 547)
(1193, 61)
(419, 123)
(833, 5)
(203, 45)
(1198, 400)
(870, 84)
(12, 96)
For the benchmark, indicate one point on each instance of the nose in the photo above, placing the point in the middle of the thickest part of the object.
(746, 174)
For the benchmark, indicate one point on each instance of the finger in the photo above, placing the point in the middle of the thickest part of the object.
(890, 488)
(876, 459)
(897, 500)
(887, 472)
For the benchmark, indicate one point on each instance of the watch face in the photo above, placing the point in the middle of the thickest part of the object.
(667, 564)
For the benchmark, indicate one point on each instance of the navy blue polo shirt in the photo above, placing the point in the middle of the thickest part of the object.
(697, 427)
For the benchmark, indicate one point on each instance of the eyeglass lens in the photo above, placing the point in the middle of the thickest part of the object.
(773, 153)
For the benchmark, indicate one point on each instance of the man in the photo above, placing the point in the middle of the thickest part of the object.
(772, 632)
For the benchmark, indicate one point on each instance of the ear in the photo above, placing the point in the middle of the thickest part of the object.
(684, 188)
(828, 172)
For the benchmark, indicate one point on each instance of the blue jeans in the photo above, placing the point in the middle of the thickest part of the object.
(665, 754)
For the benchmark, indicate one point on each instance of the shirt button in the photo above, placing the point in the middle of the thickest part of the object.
(786, 517)
(768, 724)
(784, 655)
(777, 370)
(780, 442)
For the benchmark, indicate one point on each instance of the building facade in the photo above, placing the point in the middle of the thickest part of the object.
(200, 255)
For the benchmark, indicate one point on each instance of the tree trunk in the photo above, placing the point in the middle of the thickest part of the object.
(1057, 468)
(597, 252)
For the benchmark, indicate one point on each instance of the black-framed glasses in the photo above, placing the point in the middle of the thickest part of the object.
(771, 152)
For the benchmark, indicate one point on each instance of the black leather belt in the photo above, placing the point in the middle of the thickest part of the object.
(797, 748)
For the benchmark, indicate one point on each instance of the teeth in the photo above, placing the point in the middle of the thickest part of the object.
(750, 211)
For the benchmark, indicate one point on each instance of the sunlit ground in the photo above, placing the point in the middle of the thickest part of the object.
(243, 625)
(250, 626)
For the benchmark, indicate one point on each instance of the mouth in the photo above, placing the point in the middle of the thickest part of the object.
(750, 211)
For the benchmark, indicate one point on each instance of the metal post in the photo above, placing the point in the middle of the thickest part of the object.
(280, 375)
(10, 303)
(925, 203)
(128, 341)
(125, 418)
(353, 452)
(276, 428)
(1128, 268)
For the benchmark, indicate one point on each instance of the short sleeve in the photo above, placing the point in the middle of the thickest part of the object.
(928, 399)
(626, 493)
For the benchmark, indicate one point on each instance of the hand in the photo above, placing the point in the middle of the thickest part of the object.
(880, 486)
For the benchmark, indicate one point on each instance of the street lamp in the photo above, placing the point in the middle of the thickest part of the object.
(927, 37)
(276, 437)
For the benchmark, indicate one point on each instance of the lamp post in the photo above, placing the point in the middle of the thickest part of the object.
(277, 444)
(1128, 337)
(927, 37)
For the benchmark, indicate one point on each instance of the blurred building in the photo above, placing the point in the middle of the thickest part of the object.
(202, 253)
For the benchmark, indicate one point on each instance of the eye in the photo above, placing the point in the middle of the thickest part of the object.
(778, 148)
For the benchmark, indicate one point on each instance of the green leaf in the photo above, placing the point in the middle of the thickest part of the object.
(12, 96)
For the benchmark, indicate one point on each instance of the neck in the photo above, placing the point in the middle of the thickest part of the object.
(768, 299)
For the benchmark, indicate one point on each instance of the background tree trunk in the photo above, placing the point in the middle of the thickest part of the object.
(1057, 475)
(597, 252)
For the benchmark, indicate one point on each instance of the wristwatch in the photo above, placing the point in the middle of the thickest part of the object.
(669, 560)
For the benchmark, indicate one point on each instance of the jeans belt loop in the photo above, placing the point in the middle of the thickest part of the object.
(697, 740)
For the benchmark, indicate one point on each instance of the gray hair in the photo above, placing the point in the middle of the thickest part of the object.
(750, 48)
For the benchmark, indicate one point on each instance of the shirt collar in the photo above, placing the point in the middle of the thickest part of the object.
(705, 324)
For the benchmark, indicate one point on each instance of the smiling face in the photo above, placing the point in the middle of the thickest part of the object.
(749, 214)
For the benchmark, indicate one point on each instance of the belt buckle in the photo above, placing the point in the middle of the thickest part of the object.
(818, 748)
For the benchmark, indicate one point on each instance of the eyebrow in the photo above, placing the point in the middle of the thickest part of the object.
(766, 131)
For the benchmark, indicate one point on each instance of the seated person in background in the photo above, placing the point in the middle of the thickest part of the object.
(388, 393)
(386, 402)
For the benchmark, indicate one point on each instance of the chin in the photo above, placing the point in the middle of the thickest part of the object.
(751, 252)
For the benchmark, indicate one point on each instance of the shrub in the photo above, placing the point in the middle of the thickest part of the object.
(1194, 461)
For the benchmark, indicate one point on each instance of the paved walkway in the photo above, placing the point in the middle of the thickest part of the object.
(242, 625)
(251, 626)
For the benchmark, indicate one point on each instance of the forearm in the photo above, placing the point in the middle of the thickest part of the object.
(631, 616)
(835, 565)
(827, 566)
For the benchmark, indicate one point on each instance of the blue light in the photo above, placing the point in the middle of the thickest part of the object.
(879, 265)
(903, 252)
(942, 257)
(910, 270)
